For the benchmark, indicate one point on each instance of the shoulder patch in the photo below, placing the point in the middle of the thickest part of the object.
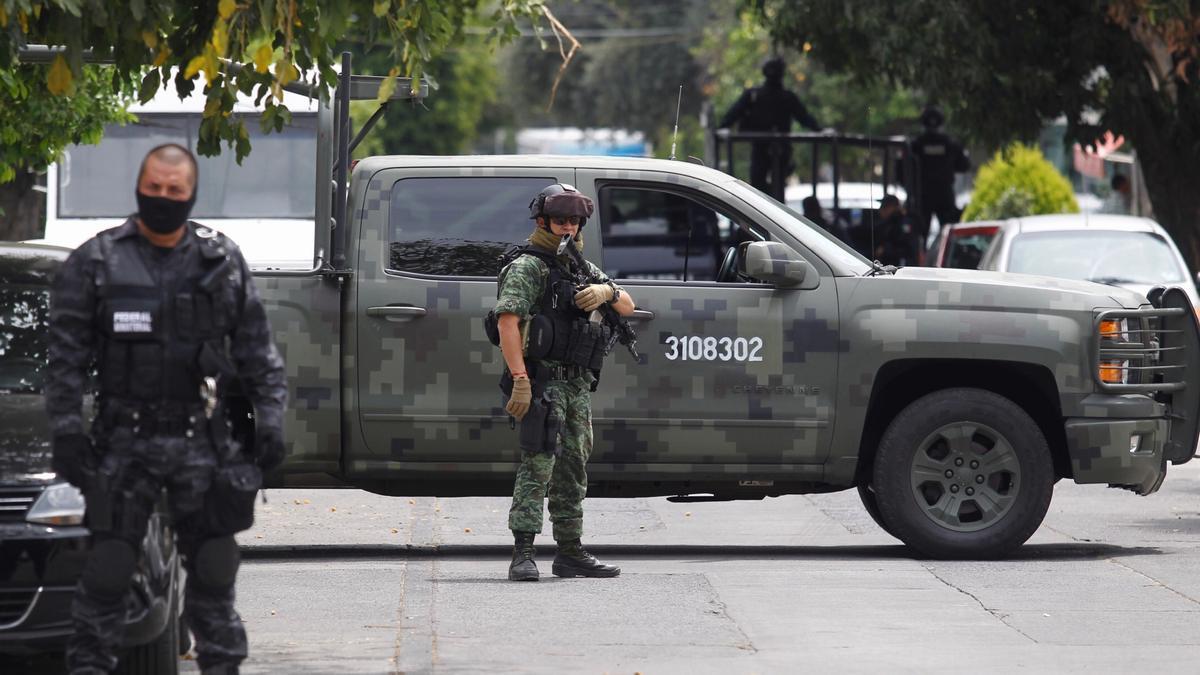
(205, 232)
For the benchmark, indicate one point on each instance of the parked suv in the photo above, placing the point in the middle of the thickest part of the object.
(43, 540)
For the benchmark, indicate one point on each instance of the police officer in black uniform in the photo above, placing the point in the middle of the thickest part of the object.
(769, 108)
(895, 242)
(167, 313)
(938, 157)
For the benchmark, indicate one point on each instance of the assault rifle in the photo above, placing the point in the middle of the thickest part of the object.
(621, 330)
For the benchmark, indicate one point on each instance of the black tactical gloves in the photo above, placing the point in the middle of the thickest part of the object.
(73, 458)
(268, 448)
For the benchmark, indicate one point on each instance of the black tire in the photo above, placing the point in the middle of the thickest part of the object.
(963, 473)
(871, 503)
(161, 655)
(185, 636)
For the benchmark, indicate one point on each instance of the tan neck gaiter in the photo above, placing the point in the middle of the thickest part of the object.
(548, 241)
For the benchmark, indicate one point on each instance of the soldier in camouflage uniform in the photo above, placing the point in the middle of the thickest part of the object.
(158, 305)
(558, 469)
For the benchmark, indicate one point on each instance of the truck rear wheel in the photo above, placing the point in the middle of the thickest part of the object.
(963, 473)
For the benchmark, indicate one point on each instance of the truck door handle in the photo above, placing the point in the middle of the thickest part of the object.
(396, 312)
(641, 315)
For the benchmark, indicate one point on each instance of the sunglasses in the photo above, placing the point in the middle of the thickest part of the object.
(563, 220)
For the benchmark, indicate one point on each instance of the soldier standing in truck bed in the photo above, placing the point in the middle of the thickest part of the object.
(769, 108)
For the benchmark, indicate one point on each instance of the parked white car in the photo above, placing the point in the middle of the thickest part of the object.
(1126, 251)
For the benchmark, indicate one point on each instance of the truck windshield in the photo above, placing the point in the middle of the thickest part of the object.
(1096, 255)
(824, 243)
(276, 180)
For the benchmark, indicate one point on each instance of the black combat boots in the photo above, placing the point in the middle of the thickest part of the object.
(572, 561)
(523, 568)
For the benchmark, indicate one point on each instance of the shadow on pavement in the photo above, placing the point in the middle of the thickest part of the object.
(714, 553)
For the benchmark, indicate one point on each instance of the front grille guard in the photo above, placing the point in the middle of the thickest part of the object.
(1161, 358)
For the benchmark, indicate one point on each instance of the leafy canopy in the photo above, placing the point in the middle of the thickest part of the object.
(1018, 181)
(35, 125)
(157, 43)
(1004, 68)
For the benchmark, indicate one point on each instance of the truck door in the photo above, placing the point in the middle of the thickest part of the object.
(426, 375)
(732, 372)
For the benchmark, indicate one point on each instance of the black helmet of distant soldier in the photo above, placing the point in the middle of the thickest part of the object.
(773, 69)
(561, 200)
(932, 117)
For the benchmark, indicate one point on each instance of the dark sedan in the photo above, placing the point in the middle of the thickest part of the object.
(43, 538)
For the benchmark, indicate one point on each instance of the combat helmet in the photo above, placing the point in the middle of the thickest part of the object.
(932, 117)
(773, 68)
(561, 200)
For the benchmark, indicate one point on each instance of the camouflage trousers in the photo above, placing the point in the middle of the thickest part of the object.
(563, 478)
(133, 473)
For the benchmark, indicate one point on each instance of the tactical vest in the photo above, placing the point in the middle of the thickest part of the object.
(159, 339)
(558, 330)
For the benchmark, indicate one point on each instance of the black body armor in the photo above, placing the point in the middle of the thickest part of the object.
(160, 337)
(559, 331)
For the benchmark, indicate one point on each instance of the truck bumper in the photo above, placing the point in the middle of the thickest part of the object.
(1126, 453)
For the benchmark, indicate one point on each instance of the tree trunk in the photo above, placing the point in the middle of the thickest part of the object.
(1176, 200)
(21, 208)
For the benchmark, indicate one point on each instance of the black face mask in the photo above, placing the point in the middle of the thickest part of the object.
(162, 215)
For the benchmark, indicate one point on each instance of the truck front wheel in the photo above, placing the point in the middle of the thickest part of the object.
(963, 473)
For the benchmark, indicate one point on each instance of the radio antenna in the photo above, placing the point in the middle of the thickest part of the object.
(675, 134)
(870, 185)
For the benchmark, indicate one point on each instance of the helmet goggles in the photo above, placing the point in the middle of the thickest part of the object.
(567, 204)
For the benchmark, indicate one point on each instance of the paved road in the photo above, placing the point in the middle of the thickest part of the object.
(348, 582)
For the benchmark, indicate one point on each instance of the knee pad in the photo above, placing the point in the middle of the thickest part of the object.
(110, 568)
(217, 563)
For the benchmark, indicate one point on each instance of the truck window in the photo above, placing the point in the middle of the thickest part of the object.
(275, 181)
(654, 234)
(458, 226)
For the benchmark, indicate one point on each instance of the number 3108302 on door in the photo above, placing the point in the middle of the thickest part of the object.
(709, 348)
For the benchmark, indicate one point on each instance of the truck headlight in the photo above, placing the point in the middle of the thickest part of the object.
(1114, 329)
(1114, 372)
(59, 504)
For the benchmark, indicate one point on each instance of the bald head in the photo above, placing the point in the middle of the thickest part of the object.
(170, 171)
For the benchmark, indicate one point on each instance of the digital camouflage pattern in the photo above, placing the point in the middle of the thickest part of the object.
(137, 469)
(562, 478)
(305, 314)
(420, 412)
(136, 463)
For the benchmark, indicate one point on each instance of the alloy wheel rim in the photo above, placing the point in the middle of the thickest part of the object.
(965, 476)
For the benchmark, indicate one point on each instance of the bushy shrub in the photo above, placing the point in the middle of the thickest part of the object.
(1018, 181)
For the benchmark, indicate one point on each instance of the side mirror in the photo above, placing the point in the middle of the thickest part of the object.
(773, 263)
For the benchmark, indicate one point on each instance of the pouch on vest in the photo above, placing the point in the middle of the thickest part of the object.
(540, 343)
(540, 427)
(491, 327)
(603, 344)
(229, 503)
(584, 336)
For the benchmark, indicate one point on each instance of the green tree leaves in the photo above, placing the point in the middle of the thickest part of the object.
(277, 41)
(1003, 70)
(36, 125)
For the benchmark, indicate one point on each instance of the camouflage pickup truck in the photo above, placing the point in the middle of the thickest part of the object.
(774, 361)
